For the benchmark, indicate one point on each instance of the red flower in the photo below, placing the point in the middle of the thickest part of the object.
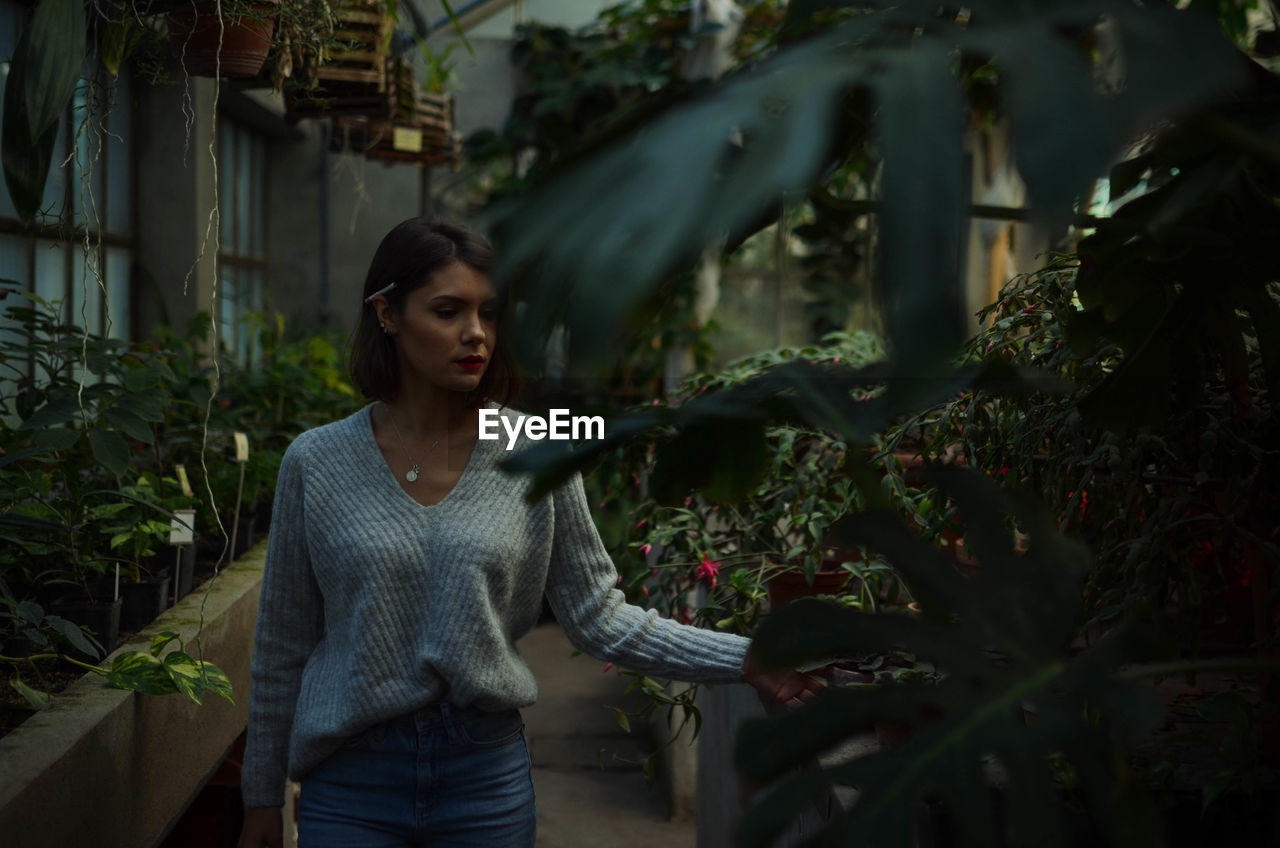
(708, 569)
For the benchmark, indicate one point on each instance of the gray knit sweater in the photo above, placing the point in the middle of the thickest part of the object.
(374, 605)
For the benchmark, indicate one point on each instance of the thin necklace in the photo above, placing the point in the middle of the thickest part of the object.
(412, 474)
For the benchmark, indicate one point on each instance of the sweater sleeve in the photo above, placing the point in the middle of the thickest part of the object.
(290, 624)
(582, 589)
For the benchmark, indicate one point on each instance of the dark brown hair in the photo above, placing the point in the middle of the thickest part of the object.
(408, 256)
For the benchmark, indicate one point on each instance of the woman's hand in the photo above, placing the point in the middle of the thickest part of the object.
(263, 828)
(782, 685)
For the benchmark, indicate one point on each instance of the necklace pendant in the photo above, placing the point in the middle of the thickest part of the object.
(412, 473)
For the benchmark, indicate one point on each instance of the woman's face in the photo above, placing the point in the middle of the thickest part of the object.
(447, 335)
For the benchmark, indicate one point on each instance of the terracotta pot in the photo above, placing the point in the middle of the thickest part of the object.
(194, 33)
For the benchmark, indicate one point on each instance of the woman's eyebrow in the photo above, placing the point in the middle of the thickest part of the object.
(453, 298)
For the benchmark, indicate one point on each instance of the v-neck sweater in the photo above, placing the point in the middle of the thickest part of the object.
(374, 605)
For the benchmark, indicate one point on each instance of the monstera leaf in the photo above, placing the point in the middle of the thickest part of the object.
(1002, 642)
(713, 442)
(594, 241)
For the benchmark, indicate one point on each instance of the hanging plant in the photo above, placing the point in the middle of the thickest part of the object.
(226, 39)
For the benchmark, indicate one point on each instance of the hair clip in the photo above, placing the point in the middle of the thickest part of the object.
(382, 290)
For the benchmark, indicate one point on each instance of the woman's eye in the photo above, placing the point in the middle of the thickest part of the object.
(446, 313)
(489, 314)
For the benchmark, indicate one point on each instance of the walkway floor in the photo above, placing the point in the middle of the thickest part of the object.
(589, 795)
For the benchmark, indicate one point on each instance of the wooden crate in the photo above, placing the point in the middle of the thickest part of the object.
(359, 79)
(397, 141)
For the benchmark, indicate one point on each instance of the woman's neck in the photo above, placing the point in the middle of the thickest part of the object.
(425, 416)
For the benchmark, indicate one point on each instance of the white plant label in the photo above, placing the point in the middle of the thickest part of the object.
(242, 447)
(182, 527)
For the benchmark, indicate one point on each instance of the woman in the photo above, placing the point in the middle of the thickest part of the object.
(402, 568)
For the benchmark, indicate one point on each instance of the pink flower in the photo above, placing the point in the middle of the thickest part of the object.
(707, 570)
(835, 360)
(640, 523)
(645, 589)
(645, 548)
(607, 666)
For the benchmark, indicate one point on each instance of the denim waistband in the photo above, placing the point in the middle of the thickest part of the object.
(445, 710)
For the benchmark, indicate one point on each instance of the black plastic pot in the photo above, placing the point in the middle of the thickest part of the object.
(101, 617)
(143, 602)
(185, 571)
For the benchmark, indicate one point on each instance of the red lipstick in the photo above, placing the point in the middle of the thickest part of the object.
(471, 363)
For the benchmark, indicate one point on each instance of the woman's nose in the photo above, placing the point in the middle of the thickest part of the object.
(473, 329)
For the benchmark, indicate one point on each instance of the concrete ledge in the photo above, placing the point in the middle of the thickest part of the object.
(114, 769)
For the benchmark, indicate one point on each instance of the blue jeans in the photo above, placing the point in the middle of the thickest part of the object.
(440, 777)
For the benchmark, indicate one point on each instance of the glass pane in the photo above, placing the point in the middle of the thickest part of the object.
(55, 188)
(226, 308)
(82, 165)
(226, 205)
(13, 262)
(119, 284)
(86, 291)
(119, 161)
(6, 203)
(10, 25)
(259, 241)
(244, 191)
(13, 266)
(259, 305)
(244, 303)
(51, 272)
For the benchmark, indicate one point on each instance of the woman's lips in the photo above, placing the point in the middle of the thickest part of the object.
(471, 363)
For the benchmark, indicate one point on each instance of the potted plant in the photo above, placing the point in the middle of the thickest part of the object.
(233, 45)
(772, 544)
(139, 520)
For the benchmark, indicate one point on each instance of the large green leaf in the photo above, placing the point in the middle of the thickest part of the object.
(921, 119)
(1002, 641)
(110, 450)
(141, 672)
(35, 698)
(693, 174)
(55, 57)
(26, 163)
(57, 411)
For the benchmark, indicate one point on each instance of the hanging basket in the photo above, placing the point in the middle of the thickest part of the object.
(396, 141)
(235, 48)
(421, 132)
(358, 78)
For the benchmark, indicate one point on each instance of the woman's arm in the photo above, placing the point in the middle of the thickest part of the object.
(290, 623)
(583, 591)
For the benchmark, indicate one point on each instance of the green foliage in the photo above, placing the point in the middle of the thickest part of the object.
(888, 91)
(91, 430)
(151, 674)
(719, 164)
(42, 77)
(1174, 506)
(1001, 641)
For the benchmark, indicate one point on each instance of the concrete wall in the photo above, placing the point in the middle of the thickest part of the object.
(326, 212)
(114, 769)
(174, 197)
